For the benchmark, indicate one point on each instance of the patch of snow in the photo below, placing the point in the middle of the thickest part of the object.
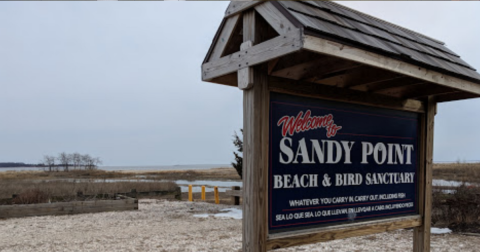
(442, 182)
(435, 230)
(226, 213)
(233, 213)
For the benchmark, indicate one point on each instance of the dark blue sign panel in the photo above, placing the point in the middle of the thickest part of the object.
(333, 162)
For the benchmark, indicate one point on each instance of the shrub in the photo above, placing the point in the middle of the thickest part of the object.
(32, 196)
(238, 163)
(459, 210)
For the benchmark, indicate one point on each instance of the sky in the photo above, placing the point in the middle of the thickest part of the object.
(121, 80)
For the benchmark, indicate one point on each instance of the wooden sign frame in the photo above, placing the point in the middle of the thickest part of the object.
(256, 140)
(257, 85)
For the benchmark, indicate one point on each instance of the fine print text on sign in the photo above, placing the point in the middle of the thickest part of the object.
(332, 162)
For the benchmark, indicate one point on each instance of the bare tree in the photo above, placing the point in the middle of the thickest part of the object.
(76, 160)
(64, 159)
(96, 162)
(86, 160)
(49, 161)
(71, 161)
(90, 163)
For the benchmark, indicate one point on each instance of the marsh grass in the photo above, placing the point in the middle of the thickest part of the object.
(463, 172)
(214, 173)
(42, 175)
(40, 186)
(29, 192)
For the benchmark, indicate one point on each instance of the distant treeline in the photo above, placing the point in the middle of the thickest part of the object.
(17, 164)
(66, 162)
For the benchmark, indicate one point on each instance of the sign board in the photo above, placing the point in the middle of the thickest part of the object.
(332, 162)
(316, 170)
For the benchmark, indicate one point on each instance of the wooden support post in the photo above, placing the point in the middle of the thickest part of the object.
(217, 198)
(255, 146)
(235, 199)
(203, 193)
(190, 193)
(421, 235)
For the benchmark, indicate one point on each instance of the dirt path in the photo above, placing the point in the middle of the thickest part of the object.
(171, 226)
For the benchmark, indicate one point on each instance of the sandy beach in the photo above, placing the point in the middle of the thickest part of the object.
(161, 225)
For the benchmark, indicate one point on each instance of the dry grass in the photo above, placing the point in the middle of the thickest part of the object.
(214, 173)
(42, 175)
(463, 172)
(37, 186)
(29, 191)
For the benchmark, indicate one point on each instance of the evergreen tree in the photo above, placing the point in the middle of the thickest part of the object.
(237, 164)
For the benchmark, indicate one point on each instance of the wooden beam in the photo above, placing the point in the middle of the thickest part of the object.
(327, 68)
(421, 234)
(387, 84)
(238, 6)
(297, 58)
(355, 76)
(455, 96)
(345, 231)
(255, 166)
(399, 90)
(312, 67)
(417, 233)
(373, 76)
(342, 94)
(351, 53)
(274, 17)
(259, 53)
(425, 90)
(294, 72)
(255, 149)
(272, 64)
(245, 75)
(224, 37)
(229, 79)
(236, 193)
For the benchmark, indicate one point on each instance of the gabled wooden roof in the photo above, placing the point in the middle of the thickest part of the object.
(334, 21)
(327, 43)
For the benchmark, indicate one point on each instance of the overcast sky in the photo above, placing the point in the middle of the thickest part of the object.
(121, 80)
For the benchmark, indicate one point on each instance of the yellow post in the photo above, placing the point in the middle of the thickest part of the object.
(217, 199)
(190, 193)
(203, 193)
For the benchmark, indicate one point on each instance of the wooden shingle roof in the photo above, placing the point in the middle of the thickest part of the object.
(334, 21)
(339, 49)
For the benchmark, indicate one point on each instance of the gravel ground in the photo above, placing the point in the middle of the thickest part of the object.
(161, 225)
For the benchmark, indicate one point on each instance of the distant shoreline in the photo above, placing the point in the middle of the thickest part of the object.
(140, 168)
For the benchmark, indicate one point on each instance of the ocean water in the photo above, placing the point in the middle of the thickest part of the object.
(163, 167)
(20, 169)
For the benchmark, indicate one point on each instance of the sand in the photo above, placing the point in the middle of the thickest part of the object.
(161, 225)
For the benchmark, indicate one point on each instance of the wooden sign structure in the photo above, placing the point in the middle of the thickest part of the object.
(339, 111)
